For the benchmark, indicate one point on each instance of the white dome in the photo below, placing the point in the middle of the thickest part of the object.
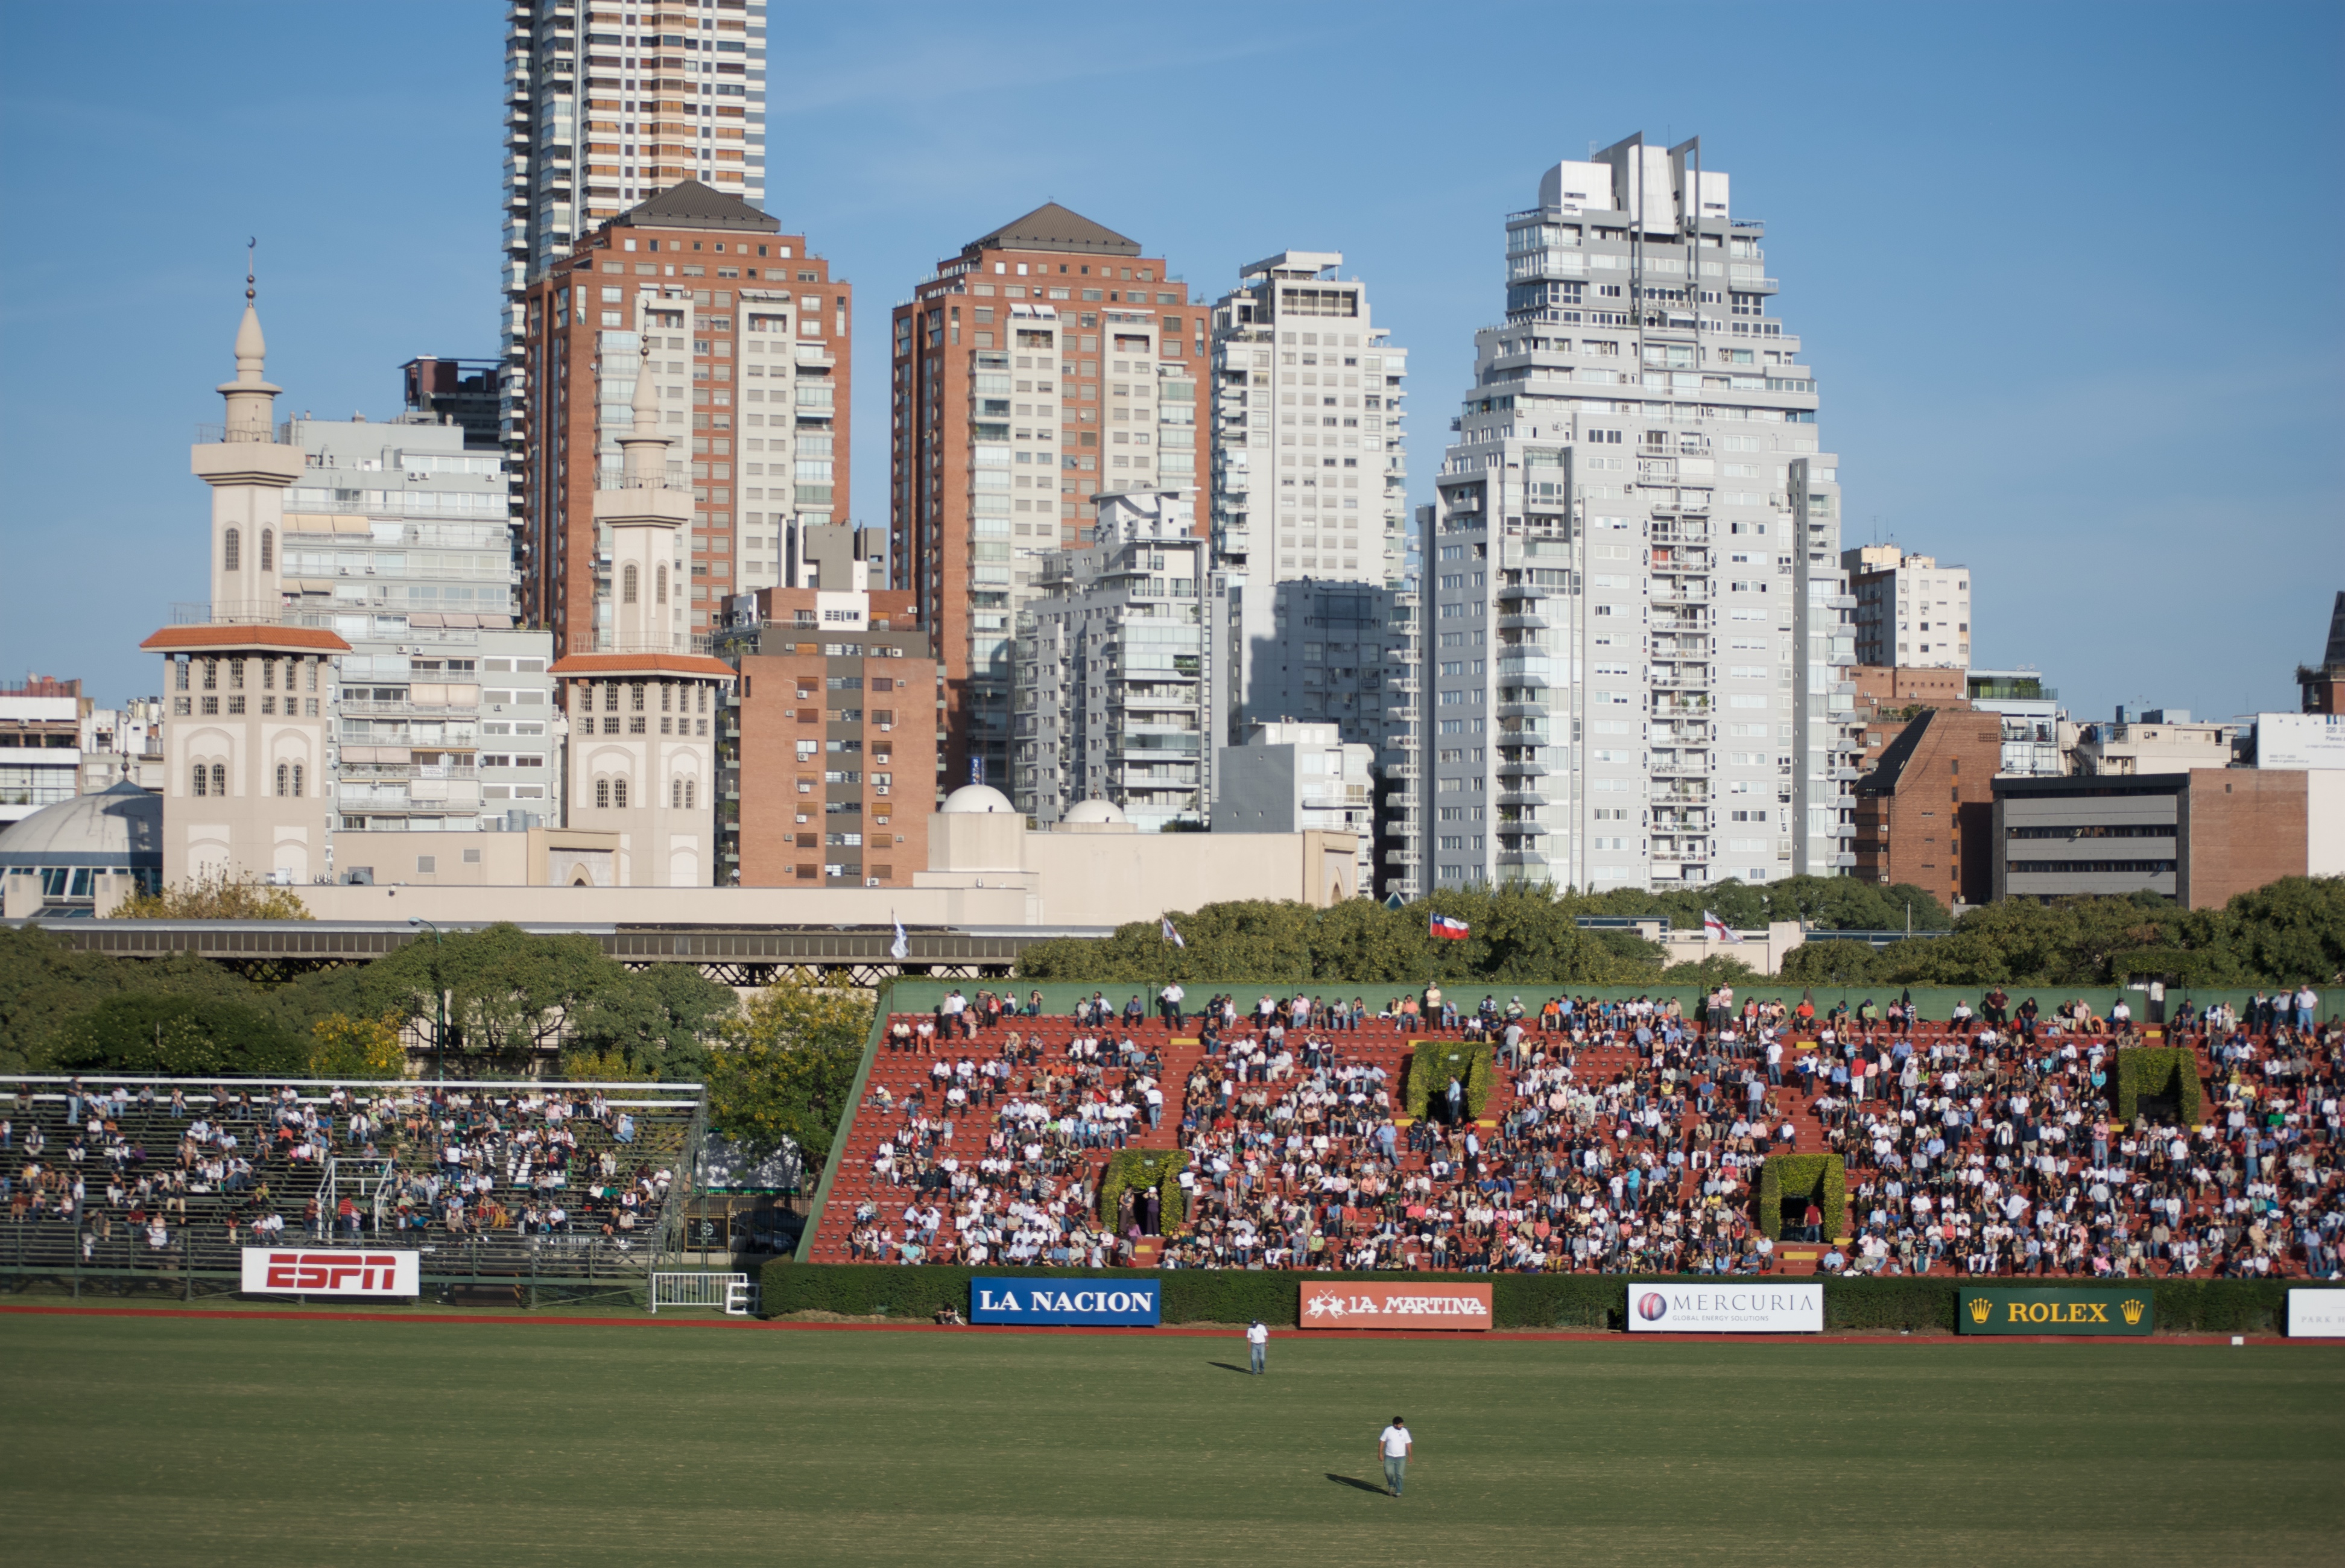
(1094, 811)
(121, 827)
(971, 799)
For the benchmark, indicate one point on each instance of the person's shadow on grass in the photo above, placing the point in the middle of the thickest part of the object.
(1230, 1367)
(1356, 1480)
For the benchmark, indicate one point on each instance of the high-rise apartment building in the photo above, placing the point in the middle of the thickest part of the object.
(1307, 460)
(1047, 363)
(1294, 778)
(42, 740)
(1311, 526)
(607, 102)
(747, 339)
(828, 755)
(1120, 670)
(1634, 625)
(1910, 611)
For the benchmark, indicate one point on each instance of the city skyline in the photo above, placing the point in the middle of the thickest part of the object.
(2078, 423)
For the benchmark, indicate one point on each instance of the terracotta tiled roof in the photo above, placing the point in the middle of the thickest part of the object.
(307, 639)
(641, 664)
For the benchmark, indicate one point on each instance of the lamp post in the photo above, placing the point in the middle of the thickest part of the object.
(439, 1004)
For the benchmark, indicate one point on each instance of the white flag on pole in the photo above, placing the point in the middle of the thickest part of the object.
(901, 949)
(1170, 935)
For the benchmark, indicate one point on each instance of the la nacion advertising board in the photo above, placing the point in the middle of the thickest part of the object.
(1002, 1300)
(1755, 1308)
(2078, 1310)
(374, 1274)
(1359, 1304)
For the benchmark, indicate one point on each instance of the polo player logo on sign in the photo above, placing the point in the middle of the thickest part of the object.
(1328, 1304)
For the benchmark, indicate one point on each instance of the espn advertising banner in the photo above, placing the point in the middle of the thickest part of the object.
(2055, 1310)
(1064, 1302)
(348, 1271)
(1353, 1304)
(1755, 1308)
(2316, 1314)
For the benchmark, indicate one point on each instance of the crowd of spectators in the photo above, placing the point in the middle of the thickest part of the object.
(155, 1173)
(1630, 1136)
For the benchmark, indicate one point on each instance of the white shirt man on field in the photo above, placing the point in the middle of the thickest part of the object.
(1257, 1346)
(1393, 1446)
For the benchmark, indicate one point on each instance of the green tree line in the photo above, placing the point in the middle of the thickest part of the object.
(2288, 931)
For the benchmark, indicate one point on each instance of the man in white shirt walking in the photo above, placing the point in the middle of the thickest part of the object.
(1257, 1346)
(1393, 1445)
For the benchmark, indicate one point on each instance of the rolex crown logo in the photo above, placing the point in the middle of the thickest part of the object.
(1980, 1308)
(2132, 1310)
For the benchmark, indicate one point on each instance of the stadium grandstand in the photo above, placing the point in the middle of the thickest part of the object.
(1601, 1133)
(508, 1189)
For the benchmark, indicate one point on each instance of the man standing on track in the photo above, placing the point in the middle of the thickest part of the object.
(1257, 1346)
(1393, 1445)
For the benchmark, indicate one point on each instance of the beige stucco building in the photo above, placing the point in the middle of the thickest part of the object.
(244, 745)
(986, 868)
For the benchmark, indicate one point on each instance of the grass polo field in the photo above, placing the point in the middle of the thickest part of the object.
(155, 1440)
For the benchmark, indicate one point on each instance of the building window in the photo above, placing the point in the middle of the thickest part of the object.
(297, 781)
(619, 793)
(219, 779)
(635, 697)
(196, 779)
(179, 674)
(663, 585)
(602, 794)
(628, 585)
(284, 779)
(231, 551)
(268, 550)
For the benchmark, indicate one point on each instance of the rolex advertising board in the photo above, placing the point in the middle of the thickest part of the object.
(2057, 1310)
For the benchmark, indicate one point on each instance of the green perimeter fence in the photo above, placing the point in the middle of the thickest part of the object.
(1586, 1301)
(1935, 1003)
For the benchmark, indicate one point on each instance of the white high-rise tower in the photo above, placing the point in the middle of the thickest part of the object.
(1634, 620)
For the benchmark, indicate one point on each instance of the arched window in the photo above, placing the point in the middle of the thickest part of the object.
(662, 585)
(628, 585)
(219, 779)
(675, 794)
(268, 550)
(198, 778)
(297, 781)
(284, 779)
(231, 551)
(602, 794)
(689, 790)
(619, 793)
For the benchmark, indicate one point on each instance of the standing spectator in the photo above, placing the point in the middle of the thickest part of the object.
(1171, 998)
(1257, 1346)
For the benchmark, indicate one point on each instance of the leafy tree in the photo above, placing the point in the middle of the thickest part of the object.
(787, 1066)
(215, 897)
(151, 1032)
(1832, 964)
(341, 1047)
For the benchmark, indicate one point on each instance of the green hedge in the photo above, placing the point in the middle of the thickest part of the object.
(1144, 1168)
(1432, 1062)
(2158, 1071)
(1587, 1301)
(1800, 1177)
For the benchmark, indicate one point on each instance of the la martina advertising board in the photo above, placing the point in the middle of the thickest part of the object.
(2057, 1310)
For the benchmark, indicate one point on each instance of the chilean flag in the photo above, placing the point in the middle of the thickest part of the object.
(1450, 929)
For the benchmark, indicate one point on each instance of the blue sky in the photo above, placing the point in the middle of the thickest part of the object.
(2069, 275)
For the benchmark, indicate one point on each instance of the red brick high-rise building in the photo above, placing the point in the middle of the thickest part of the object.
(1048, 361)
(749, 340)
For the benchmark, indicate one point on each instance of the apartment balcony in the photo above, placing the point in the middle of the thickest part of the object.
(1521, 593)
(1530, 710)
(1698, 794)
(1526, 671)
(1514, 794)
(1678, 710)
(1692, 767)
(1522, 859)
(1523, 768)
(1523, 621)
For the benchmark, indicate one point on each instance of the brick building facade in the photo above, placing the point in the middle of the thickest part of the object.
(1924, 815)
(830, 747)
(749, 348)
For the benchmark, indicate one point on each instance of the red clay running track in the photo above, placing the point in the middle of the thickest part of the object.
(653, 1322)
